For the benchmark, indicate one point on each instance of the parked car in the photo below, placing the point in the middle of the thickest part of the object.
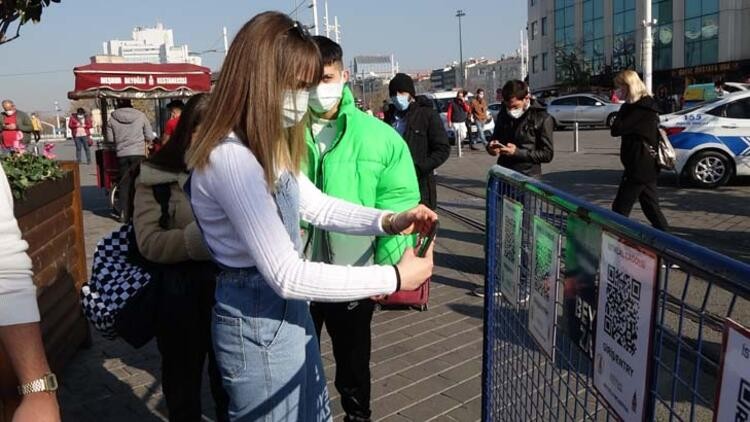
(494, 109)
(698, 93)
(442, 99)
(712, 140)
(586, 109)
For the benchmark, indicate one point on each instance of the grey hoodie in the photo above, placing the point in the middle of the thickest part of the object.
(129, 129)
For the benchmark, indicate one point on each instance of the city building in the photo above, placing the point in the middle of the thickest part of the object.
(151, 45)
(479, 73)
(694, 40)
(444, 79)
(378, 67)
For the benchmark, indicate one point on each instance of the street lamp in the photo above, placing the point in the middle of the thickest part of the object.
(459, 14)
(57, 113)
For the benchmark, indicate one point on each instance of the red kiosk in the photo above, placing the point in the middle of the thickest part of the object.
(107, 82)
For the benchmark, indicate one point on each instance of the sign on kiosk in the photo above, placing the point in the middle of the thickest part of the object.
(545, 270)
(627, 290)
(733, 397)
(510, 250)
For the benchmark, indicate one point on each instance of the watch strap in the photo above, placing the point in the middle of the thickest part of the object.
(47, 383)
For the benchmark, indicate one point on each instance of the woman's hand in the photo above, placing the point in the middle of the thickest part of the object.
(416, 220)
(415, 270)
(38, 407)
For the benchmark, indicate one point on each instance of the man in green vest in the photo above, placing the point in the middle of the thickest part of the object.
(358, 158)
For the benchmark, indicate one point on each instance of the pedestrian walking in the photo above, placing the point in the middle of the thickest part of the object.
(523, 136)
(421, 127)
(480, 116)
(457, 116)
(175, 111)
(168, 237)
(130, 131)
(249, 197)
(80, 125)
(637, 123)
(20, 335)
(16, 126)
(36, 132)
(345, 144)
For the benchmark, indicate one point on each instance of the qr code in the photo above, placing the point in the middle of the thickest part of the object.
(743, 402)
(621, 308)
(509, 239)
(542, 268)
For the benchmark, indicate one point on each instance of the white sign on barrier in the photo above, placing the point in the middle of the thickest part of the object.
(545, 266)
(733, 396)
(627, 288)
(510, 250)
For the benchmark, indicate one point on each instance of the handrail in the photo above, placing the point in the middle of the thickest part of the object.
(728, 273)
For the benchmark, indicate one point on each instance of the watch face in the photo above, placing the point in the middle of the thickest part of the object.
(51, 381)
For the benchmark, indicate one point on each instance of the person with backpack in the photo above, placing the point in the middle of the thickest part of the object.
(637, 123)
(168, 237)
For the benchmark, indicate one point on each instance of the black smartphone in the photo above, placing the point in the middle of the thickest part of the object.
(426, 241)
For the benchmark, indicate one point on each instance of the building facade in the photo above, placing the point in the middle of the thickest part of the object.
(694, 40)
(479, 73)
(151, 45)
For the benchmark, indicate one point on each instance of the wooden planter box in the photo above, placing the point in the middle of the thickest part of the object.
(51, 221)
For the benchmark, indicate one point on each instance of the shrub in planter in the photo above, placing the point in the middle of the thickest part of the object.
(26, 170)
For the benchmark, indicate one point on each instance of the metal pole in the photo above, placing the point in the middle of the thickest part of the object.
(575, 138)
(459, 14)
(315, 16)
(57, 113)
(648, 44)
(326, 22)
(226, 42)
(336, 30)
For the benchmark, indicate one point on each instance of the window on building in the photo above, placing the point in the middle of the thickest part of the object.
(564, 31)
(623, 24)
(593, 35)
(701, 32)
(544, 62)
(534, 30)
(533, 64)
(533, 2)
(544, 26)
(662, 34)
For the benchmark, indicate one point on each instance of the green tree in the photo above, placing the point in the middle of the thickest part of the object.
(20, 12)
(572, 69)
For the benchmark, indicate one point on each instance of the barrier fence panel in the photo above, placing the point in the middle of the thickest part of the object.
(537, 372)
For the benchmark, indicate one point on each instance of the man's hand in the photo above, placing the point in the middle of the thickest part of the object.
(38, 407)
(508, 149)
(493, 147)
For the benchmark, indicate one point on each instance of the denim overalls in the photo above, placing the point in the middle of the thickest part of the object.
(266, 346)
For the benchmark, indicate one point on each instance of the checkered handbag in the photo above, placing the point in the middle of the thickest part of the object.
(115, 278)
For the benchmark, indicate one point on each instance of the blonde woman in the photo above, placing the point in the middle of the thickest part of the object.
(637, 123)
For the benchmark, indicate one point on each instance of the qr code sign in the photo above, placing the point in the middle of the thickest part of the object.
(542, 267)
(743, 402)
(509, 239)
(621, 308)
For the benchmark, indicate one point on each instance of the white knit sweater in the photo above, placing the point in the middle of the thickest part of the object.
(17, 292)
(242, 227)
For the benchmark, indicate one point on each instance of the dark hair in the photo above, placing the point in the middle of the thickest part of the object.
(480, 90)
(515, 89)
(330, 51)
(172, 155)
(178, 104)
(80, 111)
(124, 103)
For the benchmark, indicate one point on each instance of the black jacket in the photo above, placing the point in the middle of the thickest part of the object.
(428, 144)
(532, 134)
(638, 125)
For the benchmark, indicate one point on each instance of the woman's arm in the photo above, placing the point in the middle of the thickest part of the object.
(236, 182)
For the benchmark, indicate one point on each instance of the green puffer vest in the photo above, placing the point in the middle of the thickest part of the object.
(368, 164)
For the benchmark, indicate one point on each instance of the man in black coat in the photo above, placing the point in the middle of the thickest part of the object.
(523, 135)
(420, 126)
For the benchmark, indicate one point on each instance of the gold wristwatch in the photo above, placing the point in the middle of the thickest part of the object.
(47, 383)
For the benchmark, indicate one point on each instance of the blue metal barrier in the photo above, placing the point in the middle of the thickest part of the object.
(697, 290)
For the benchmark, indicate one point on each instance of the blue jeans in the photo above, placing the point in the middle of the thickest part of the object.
(480, 133)
(82, 142)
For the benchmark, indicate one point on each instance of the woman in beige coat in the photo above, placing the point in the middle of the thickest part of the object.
(167, 235)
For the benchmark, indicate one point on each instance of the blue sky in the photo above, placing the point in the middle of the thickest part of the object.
(423, 34)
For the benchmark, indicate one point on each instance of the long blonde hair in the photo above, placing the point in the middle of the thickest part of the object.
(630, 80)
(270, 54)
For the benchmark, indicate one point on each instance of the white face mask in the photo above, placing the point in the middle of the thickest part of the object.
(518, 112)
(294, 107)
(10, 112)
(324, 97)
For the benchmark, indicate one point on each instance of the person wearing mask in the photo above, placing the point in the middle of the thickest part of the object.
(170, 239)
(523, 136)
(480, 116)
(357, 158)
(637, 123)
(80, 126)
(36, 129)
(20, 335)
(175, 111)
(16, 126)
(130, 131)
(249, 197)
(457, 116)
(420, 125)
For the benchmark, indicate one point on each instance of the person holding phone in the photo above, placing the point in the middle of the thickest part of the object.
(523, 134)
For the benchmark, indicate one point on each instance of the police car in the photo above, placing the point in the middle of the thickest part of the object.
(712, 139)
